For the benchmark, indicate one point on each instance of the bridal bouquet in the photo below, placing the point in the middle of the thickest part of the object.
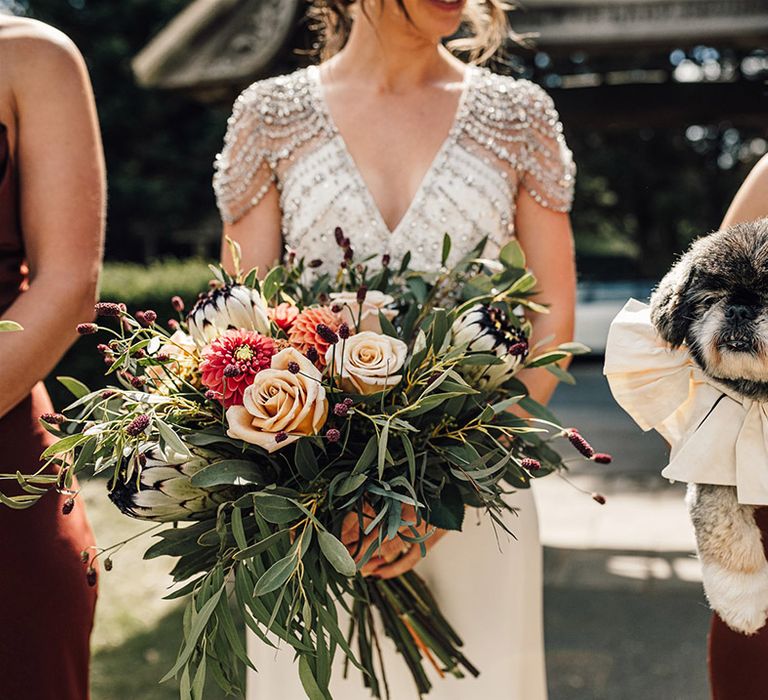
(278, 415)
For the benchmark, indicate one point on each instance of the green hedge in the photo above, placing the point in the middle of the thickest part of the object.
(140, 287)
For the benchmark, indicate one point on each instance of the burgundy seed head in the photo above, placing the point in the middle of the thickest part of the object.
(123, 308)
(139, 315)
(109, 360)
(340, 410)
(107, 308)
(339, 235)
(519, 349)
(294, 368)
(347, 243)
(348, 254)
(68, 507)
(108, 564)
(343, 265)
(90, 576)
(599, 498)
(87, 328)
(212, 395)
(138, 383)
(343, 331)
(178, 303)
(282, 436)
(232, 371)
(579, 443)
(336, 308)
(333, 435)
(291, 257)
(173, 324)
(142, 459)
(322, 298)
(149, 317)
(315, 263)
(311, 354)
(349, 402)
(362, 292)
(385, 260)
(530, 463)
(139, 353)
(162, 357)
(103, 349)
(108, 393)
(138, 425)
(53, 418)
(327, 334)
(602, 458)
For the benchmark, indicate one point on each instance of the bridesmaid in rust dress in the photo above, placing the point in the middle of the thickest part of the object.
(51, 228)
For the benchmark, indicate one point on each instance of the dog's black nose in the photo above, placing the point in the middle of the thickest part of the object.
(739, 313)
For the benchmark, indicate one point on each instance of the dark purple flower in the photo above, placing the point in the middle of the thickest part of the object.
(333, 435)
(579, 443)
(53, 418)
(178, 303)
(327, 334)
(343, 331)
(340, 410)
(108, 308)
(530, 463)
(282, 436)
(138, 425)
(69, 506)
(87, 328)
(294, 368)
(599, 498)
(602, 458)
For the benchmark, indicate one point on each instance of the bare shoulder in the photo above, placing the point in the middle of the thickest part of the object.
(32, 50)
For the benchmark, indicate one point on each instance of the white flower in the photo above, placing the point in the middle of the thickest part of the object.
(181, 350)
(375, 301)
(164, 491)
(225, 308)
(368, 362)
(487, 329)
(282, 402)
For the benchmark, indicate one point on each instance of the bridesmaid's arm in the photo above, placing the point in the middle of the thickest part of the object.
(258, 234)
(547, 240)
(61, 173)
(751, 201)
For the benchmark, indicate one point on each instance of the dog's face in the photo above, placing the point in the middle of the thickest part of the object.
(715, 300)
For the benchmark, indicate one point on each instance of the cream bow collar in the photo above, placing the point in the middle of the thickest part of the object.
(716, 435)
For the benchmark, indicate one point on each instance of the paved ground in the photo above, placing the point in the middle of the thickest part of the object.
(625, 616)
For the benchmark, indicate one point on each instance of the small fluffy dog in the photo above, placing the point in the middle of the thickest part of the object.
(715, 301)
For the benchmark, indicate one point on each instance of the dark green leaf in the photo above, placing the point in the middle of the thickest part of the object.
(446, 249)
(227, 471)
(447, 512)
(276, 509)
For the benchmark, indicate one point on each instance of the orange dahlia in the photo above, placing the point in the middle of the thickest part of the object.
(303, 334)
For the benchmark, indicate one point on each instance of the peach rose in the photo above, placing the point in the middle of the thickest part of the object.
(280, 402)
(368, 362)
(375, 301)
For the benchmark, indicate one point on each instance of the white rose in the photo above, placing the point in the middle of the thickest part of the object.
(368, 362)
(375, 301)
(280, 401)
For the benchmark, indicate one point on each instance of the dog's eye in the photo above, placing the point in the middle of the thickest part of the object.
(709, 299)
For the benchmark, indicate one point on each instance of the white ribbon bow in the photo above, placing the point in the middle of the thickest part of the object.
(716, 435)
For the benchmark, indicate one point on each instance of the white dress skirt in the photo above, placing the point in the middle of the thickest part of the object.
(491, 591)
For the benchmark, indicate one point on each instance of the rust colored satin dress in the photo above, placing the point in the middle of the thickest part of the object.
(46, 606)
(738, 664)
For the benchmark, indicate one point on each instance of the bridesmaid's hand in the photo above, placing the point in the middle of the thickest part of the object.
(396, 556)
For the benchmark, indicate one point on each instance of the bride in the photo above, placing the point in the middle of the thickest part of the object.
(397, 141)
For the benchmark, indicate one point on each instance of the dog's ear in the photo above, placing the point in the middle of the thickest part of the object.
(671, 312)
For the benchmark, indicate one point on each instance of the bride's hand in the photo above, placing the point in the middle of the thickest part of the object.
(396, 556)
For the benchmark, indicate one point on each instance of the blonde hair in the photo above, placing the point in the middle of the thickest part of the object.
(485, 27)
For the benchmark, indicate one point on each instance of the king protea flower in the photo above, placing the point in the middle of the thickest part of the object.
(224, 308)
(161, 489)
(487, 329)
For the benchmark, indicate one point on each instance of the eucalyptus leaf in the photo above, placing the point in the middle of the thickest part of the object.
(10, 327)
(275, 576)
(74, 386)
(227, 471)
(336, 553)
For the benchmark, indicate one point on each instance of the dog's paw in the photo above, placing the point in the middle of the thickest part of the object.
(740, 599)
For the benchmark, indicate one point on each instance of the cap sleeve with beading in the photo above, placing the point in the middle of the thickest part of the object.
(546, 169)
(271, 120)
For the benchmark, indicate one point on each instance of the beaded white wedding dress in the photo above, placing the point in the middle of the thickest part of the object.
(505, 135)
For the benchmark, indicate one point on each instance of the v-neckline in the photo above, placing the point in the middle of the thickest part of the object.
(323, 106)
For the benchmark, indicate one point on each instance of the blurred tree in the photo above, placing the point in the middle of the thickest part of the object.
(159, 146)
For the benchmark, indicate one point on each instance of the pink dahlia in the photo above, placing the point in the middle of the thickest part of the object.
(231, 361)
